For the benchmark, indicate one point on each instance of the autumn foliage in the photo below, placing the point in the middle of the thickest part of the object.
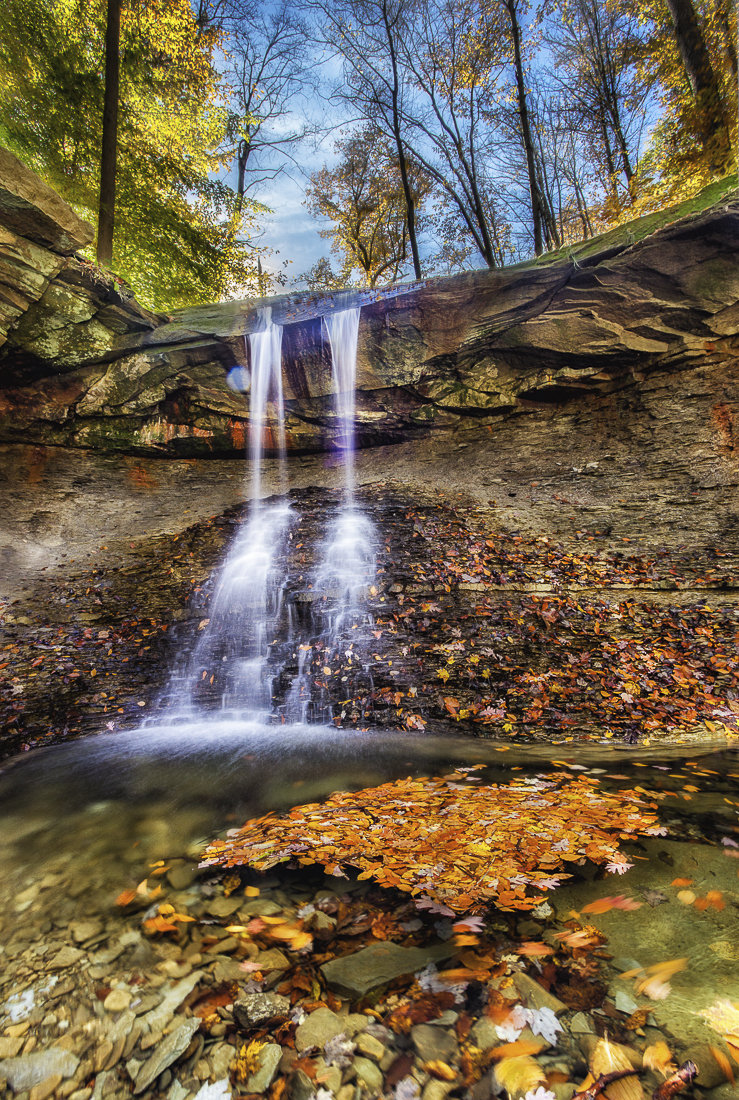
(449, 841)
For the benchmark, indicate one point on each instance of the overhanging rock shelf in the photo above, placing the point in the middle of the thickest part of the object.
(84, 366)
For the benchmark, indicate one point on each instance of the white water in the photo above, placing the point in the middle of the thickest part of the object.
(251, 633)
(347, 566)
(265, 347)
(343, 333)
(229, 666)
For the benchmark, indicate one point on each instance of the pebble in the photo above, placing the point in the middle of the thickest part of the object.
(16, 1030)
(437, 1090)
(431, 1043)
(329, 1077)
(46, 1087)
(302, 1088)
(85, 929)
(117, 1000)
(68, 956)
(269, 1063)
(9, 1047)
(369, 1074)
(182, 875)
(166, 1053)
(223, 907)
(484, 1035)
(30, 1070)
(259, 907)
(321, 1025)
(373, 1048)
(159, 1017)
(257, 1008)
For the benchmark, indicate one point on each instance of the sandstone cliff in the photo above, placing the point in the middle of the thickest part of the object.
(85, 367)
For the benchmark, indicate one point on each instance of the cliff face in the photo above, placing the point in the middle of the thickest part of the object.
(551, 443)
(85, 367)
(594, 388)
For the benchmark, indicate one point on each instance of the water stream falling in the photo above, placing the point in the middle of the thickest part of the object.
(252, 635)
(228, 669)
(347, 563)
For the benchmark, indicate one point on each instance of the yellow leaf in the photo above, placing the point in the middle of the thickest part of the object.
(658, 1057)
(520, 1074)
(440, 1070)
(252, 892)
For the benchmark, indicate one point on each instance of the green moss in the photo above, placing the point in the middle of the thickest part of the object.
(630, 232)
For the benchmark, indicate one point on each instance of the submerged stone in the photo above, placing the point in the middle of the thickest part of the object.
(166, 1053)
(355, 975)
(31, 1069)
(269, 1063)
(257, 1008)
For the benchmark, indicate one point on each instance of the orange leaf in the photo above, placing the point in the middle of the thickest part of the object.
(724, 1062)
(514, 1050)
(532, 949)
(440, 1070)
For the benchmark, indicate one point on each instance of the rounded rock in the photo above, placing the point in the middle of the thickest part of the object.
(117, 1000)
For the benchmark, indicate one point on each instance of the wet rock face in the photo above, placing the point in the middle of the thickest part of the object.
(468, 627)
(85, 366)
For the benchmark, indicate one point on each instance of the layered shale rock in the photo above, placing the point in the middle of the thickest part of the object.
(85, 367)
(593, 389)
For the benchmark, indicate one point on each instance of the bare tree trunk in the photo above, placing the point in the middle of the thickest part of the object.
(109, 152)
(243, 157)
(402, 161)
(523, 113)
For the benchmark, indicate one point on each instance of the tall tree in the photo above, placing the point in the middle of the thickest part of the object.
(511, 7)
(364, 197)
(703, 81)
(689, 61)
(109, 150)
(174, 237)
(368, 35)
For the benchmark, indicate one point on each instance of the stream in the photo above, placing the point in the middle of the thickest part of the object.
(101, 838)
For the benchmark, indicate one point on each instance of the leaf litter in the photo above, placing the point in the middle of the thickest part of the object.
(454, 846)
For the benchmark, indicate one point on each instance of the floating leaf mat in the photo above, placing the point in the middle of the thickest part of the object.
(462, 844)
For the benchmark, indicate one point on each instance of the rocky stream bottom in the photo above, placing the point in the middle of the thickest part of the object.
(128, 970)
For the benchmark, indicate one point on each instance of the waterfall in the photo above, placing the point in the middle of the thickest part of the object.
(265, 347)
(254, 652)
(343, 332)
(347, 565)
(229, 668)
